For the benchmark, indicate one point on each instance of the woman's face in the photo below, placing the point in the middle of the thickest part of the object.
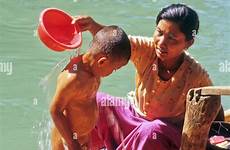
(169, 41)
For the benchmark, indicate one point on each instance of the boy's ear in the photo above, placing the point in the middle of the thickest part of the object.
(102, 61)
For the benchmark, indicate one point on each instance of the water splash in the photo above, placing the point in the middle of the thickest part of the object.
(43, 127)
(42, 130)
(48, 81)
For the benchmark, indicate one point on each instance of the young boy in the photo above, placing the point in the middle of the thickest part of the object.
(73, 108)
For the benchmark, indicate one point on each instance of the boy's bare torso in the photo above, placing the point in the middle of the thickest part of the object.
(81, 108)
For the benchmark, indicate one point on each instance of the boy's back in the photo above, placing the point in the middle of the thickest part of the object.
(81, 108)
(78, 99)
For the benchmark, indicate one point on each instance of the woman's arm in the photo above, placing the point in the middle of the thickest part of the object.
(142, 51)
(142, 48)
(86, 23)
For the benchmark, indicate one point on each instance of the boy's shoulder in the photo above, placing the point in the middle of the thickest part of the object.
(79, 79)
(72, 66)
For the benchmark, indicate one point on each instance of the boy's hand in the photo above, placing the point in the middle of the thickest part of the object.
(86, 23)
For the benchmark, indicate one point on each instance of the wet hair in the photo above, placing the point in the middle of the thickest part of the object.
(184, 16)
(112, 41)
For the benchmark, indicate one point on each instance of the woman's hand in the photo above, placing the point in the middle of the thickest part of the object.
(86, 23)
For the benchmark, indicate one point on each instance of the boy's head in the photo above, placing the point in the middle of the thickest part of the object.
(110, 50)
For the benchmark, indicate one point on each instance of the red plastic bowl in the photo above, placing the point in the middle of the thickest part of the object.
(56, 31)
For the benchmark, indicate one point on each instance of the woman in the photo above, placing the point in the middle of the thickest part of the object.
(165, 73)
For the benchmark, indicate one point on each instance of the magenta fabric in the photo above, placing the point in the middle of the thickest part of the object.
(119, 127)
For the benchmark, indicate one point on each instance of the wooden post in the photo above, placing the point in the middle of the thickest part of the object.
(227, 115)
(201, 110)
(202, 106)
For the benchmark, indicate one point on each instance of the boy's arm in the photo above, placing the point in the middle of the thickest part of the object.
(60, 100)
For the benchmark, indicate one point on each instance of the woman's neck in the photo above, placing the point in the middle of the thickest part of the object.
(172, 64)
(167, 69)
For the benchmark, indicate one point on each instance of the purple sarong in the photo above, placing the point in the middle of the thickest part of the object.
(120, 127)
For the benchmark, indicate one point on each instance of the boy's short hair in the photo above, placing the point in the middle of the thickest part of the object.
(112, 41)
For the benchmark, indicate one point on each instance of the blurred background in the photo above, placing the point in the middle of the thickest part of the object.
(26, 89)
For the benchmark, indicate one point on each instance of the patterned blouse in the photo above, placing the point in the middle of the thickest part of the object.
(154, 97)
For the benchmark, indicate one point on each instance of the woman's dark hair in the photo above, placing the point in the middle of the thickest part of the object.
(184, 16)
